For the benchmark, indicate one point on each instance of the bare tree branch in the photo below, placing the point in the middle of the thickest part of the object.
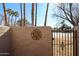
(70, 12)
(63, 17)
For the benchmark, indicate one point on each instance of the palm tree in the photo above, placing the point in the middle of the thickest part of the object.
(32, 14)
(26, 22)
(36, 16)
(16, 15)
(12, 14)
(21, 14)
(9, 12)
(5, 16)
(24, 15)
(46, 14)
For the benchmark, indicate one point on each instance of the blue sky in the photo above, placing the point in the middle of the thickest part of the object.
(41, 10)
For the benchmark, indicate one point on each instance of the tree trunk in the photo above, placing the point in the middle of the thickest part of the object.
(21, 14)
(24, 15)
(36, 16)
(8, 20)
(32, 14)
(46, 14)
(15, 21)
(5, 17)
(11, 21)
(71, 16)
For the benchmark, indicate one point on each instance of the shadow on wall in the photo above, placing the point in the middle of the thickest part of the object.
(4, 40)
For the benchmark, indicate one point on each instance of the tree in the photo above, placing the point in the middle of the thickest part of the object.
(24, 14)
(16, 15)
(69, 12)
(46, 14)
(1, 18)
(5, 16)
(64, 25)
(36, 16)
(12, 14)
(21, 14)
(32, 14)
(9, 12)
(26, 22)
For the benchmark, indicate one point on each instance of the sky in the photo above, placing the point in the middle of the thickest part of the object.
(41, 11)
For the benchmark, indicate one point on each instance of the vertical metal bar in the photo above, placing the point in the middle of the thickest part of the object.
(65, 42)
(62, 42)
(71, 42)
(54, 41)
(59, 42)
(76, 42)
(68, 41)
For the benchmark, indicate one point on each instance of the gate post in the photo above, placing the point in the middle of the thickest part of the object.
(74, 42)
(77, 40)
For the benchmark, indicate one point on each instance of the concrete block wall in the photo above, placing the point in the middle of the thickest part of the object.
(23, 44)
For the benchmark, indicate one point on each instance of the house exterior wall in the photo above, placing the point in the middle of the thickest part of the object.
(22, 42)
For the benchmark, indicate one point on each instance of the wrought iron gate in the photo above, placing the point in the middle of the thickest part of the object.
(64, 42)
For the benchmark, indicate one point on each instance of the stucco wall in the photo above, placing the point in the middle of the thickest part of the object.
(23, 43)
(5, 43)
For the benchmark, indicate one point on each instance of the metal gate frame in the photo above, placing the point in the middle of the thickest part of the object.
(72, 32)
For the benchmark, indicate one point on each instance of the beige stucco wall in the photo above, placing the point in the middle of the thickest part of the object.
(23, 44)
(5, 43)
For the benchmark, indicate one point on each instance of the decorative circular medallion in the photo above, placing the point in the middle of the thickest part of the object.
(36, 34)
